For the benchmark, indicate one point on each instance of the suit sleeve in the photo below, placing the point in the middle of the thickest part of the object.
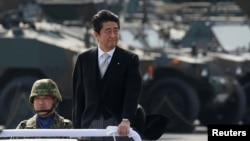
(133, 88)
(78, 95)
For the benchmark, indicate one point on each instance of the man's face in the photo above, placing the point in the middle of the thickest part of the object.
(43, 103)
(108, 37)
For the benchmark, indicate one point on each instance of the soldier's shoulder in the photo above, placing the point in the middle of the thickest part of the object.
(22, 124)
(27, 123)
(66, 122)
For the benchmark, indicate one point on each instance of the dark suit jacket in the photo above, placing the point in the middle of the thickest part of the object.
(117, 94)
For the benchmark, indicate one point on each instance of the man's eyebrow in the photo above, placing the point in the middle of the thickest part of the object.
(110, 28)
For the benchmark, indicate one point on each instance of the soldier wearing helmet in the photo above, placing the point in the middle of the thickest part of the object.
(45, 97)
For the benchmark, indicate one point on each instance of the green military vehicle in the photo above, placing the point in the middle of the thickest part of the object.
(189, 85)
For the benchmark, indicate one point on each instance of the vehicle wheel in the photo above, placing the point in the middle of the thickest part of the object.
(231, 112)
(175, 99)
(14, 100)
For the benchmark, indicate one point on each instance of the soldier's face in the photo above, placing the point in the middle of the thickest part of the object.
(43, 103)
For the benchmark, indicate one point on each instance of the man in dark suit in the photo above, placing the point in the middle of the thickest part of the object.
(111, 98)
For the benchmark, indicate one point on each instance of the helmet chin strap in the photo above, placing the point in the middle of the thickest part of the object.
(46, 111)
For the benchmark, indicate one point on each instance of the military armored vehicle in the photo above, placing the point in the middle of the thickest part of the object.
(186, 84)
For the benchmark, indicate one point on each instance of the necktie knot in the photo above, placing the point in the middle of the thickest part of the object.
(104, 64)
(105, 56)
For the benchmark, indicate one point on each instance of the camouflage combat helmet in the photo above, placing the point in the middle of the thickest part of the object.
(44, 87)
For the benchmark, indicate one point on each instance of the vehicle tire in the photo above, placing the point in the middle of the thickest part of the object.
(14, 100)
(231, 112)
(175, 99)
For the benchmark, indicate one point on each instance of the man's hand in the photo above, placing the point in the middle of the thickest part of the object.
(124, 127)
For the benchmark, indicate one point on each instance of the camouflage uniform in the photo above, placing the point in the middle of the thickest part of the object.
(45, 87)
(58, 123)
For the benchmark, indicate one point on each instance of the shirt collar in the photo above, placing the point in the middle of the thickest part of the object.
(110, 53)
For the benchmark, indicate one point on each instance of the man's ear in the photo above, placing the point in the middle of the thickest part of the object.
(95, 34)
